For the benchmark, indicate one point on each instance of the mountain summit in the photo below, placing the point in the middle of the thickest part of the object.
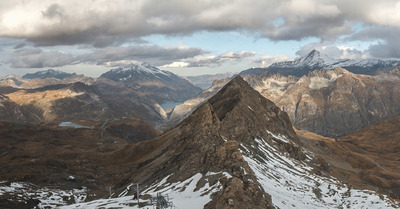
(205, 147)
(162, 86)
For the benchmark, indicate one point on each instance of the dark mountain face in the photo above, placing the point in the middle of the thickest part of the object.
(162, 86)
(316, 61)
(48, 74)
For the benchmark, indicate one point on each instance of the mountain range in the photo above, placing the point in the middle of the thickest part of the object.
(331, 103)
(316, 61)
(134, 91)
(236, 150)
(250, 141)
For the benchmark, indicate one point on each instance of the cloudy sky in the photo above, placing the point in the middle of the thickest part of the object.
(190, 37)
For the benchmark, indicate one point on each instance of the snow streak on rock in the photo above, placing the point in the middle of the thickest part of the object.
(292, 184)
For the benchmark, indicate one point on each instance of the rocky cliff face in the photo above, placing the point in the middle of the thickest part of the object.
(333, 102)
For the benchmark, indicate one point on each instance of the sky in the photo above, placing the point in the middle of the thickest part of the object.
(190, 37)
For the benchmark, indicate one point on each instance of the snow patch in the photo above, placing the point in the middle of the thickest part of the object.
(49, 198)
(181, 194)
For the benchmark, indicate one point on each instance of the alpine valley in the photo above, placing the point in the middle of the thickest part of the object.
(315, 132)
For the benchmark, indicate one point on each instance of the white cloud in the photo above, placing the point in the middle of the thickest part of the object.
(266, 61)
(217, 60)
(334, 51)
(176, 65)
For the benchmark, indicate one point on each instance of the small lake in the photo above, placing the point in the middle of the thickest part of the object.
(71, 124)
(169, 105)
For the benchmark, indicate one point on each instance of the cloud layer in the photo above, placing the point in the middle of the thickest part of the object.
(157, 55)
(109, 22)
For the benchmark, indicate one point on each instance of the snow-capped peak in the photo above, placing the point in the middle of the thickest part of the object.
(140, 68)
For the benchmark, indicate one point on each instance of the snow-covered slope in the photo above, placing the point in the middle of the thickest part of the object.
(293, 184)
